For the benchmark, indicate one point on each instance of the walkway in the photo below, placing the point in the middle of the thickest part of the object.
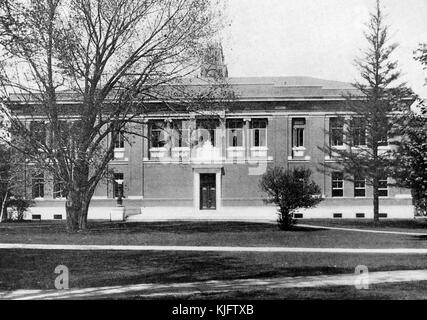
(422, 251)
(210, 287)
(363, 230)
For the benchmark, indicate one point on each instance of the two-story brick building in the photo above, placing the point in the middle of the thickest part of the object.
(207, 165)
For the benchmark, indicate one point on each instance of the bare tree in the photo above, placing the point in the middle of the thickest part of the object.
(370, 123)
(113, 57)
(13, 191)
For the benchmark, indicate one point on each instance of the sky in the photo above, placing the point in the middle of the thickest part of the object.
(318, 38)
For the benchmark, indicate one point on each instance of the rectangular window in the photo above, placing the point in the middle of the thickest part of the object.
(57, 216)
(359, 186)
(118, 185)
(206, 131)
(259, 132)
(360, 215)
(358, 131)
(337, 184)
(58, 190)
(119, 142)
(383, 187)
(157, 134)
(337, 215)
(38, 132)
(383, 134)
(180, 136)
(298, 127)
(38, 186)
(383, 215)
(235, 133)
(336, 129)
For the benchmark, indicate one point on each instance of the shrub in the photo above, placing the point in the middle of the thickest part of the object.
(289, 190)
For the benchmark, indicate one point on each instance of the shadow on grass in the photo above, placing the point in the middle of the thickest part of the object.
(26, 269)
(304, 229)
(193, 227)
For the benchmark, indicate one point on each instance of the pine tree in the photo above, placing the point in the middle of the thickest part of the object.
(367, 130)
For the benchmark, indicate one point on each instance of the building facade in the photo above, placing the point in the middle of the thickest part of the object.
(208, 164)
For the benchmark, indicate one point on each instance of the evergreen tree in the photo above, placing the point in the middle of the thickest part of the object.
(367, 130)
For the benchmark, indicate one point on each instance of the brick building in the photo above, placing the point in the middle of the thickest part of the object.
(206, 165)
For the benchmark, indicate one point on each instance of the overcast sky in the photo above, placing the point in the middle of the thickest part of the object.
(318, 38)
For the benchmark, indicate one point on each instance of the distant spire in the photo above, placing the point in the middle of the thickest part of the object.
(213, 65)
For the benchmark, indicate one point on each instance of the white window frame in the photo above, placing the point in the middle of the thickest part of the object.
(337, 181)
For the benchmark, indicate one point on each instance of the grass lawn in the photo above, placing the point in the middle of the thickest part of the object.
(413, 225)
(202, 234)
(34, 269)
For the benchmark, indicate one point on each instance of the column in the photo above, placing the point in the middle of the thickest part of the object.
(196, 190)
(218, 190)
(247, 137)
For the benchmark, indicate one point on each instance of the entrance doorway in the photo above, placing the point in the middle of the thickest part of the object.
(207, 191)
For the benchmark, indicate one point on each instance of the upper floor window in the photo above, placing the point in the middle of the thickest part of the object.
(235, 133)
(38, 185)
(336, 129)
(259, 132)
(206, 129)
(383, 187)
(58, 190)
(298, 127)
(358, 131)
(179, 134)
(119, 141)
(383, 135)
(337, 184)
(38, 131)
(157, 134)
(359, 186)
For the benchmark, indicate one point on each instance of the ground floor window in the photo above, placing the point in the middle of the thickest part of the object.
(359, 186)
(337, 184)
(118, 185)
(383, 187)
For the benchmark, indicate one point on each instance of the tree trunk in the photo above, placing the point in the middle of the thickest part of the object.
(376, 202)
(77, 208)
(3, 206)
(285, 219)
(73, 207)
(84, 212)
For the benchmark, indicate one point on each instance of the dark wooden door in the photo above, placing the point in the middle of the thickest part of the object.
(207, 192)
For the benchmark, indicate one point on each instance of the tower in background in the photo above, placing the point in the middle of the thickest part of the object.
(213, 65)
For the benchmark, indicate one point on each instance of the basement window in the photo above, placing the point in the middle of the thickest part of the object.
(383, 215)
(298, 216)
(360, 215)
(337, 215)
(36, 217)
(57, 217)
